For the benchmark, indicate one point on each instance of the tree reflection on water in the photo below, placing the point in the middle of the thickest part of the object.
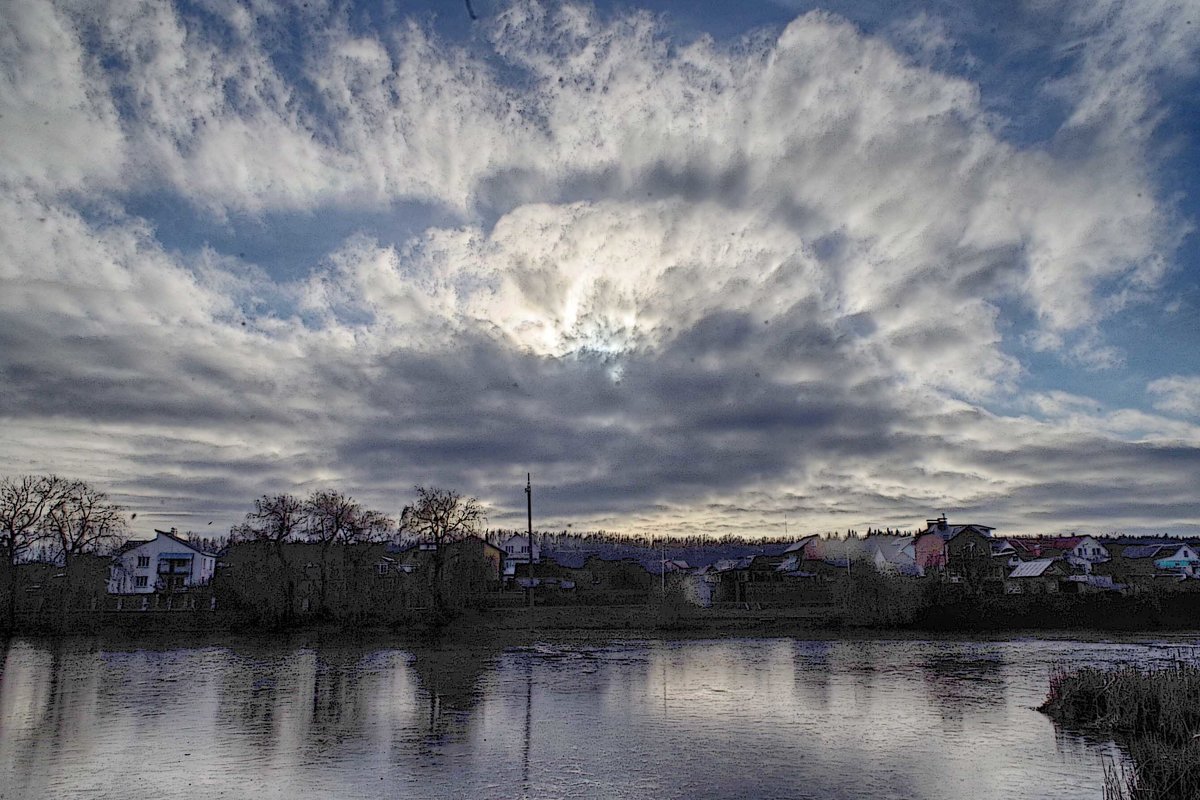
(335, 717)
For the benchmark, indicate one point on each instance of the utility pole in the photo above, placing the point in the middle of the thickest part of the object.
(663, 545)
(529, 529)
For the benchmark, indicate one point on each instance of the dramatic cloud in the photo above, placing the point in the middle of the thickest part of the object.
(692, 283)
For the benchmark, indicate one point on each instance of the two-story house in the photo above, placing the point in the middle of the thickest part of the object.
(165, 563)
(519, 549)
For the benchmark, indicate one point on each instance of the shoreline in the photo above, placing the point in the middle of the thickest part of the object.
(513, 627)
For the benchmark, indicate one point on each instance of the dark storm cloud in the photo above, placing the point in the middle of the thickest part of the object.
(618, 434)
(105, 378)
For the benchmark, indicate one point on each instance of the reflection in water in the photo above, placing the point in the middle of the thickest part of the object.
(451, 679)
(528, 727)
(725, 718)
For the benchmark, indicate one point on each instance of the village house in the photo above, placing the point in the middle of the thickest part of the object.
(1183, 559)
(1079, 551)
(932, 549)
(893, 555)
(166, 563)
(969, 558)
(519, 549)
(1145, 563)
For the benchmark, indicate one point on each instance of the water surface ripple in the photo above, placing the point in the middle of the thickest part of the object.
(727, 718)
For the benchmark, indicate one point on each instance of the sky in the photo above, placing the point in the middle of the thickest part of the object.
(700, 268)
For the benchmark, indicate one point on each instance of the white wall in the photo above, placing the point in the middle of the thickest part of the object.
(516, 548)
(125, 571)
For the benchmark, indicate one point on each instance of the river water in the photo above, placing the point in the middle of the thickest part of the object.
(724, 718)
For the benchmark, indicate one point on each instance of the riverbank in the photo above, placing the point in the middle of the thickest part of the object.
(583, 623)
(1153, 715)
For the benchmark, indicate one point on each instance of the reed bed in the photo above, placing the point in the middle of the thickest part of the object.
(1153, 714)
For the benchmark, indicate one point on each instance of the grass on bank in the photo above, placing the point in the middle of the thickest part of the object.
(1153, 714)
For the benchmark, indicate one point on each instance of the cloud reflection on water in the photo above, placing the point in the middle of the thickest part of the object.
(721, 718)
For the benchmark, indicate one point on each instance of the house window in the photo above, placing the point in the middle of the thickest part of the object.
(141, 581)
(381, 569)
(143, 562)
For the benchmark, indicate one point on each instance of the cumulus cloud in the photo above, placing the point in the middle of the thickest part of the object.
(1177, 394)
(691, 283)
(59, 126)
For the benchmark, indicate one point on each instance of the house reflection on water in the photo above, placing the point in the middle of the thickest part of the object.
(623, 719)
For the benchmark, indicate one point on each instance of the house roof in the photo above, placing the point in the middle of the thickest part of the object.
(1143, 551)
(1171, 552)
(726, 564)
(1146, 540)
(134, 544)
(798, 545)
(1062, 542)
(892, 548)
(792, 562)
(131, 544)
(825, 549)
(1026, 544)
(948, 531)
(172, 536)
(1032, 569)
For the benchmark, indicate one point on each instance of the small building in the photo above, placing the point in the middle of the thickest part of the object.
(1040, 576)
(166, 563)
(519, 549)
(1177, 559)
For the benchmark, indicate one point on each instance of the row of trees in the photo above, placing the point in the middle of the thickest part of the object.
(49, 517)
(330, 518)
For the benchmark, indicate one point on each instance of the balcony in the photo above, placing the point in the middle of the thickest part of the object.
(175, 568)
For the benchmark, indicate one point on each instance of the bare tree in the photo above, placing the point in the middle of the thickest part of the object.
(333, 518)
(275, 520)
(83, 522)
(440, 517)
(371, 526)
(25, 506)
(327, 516)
